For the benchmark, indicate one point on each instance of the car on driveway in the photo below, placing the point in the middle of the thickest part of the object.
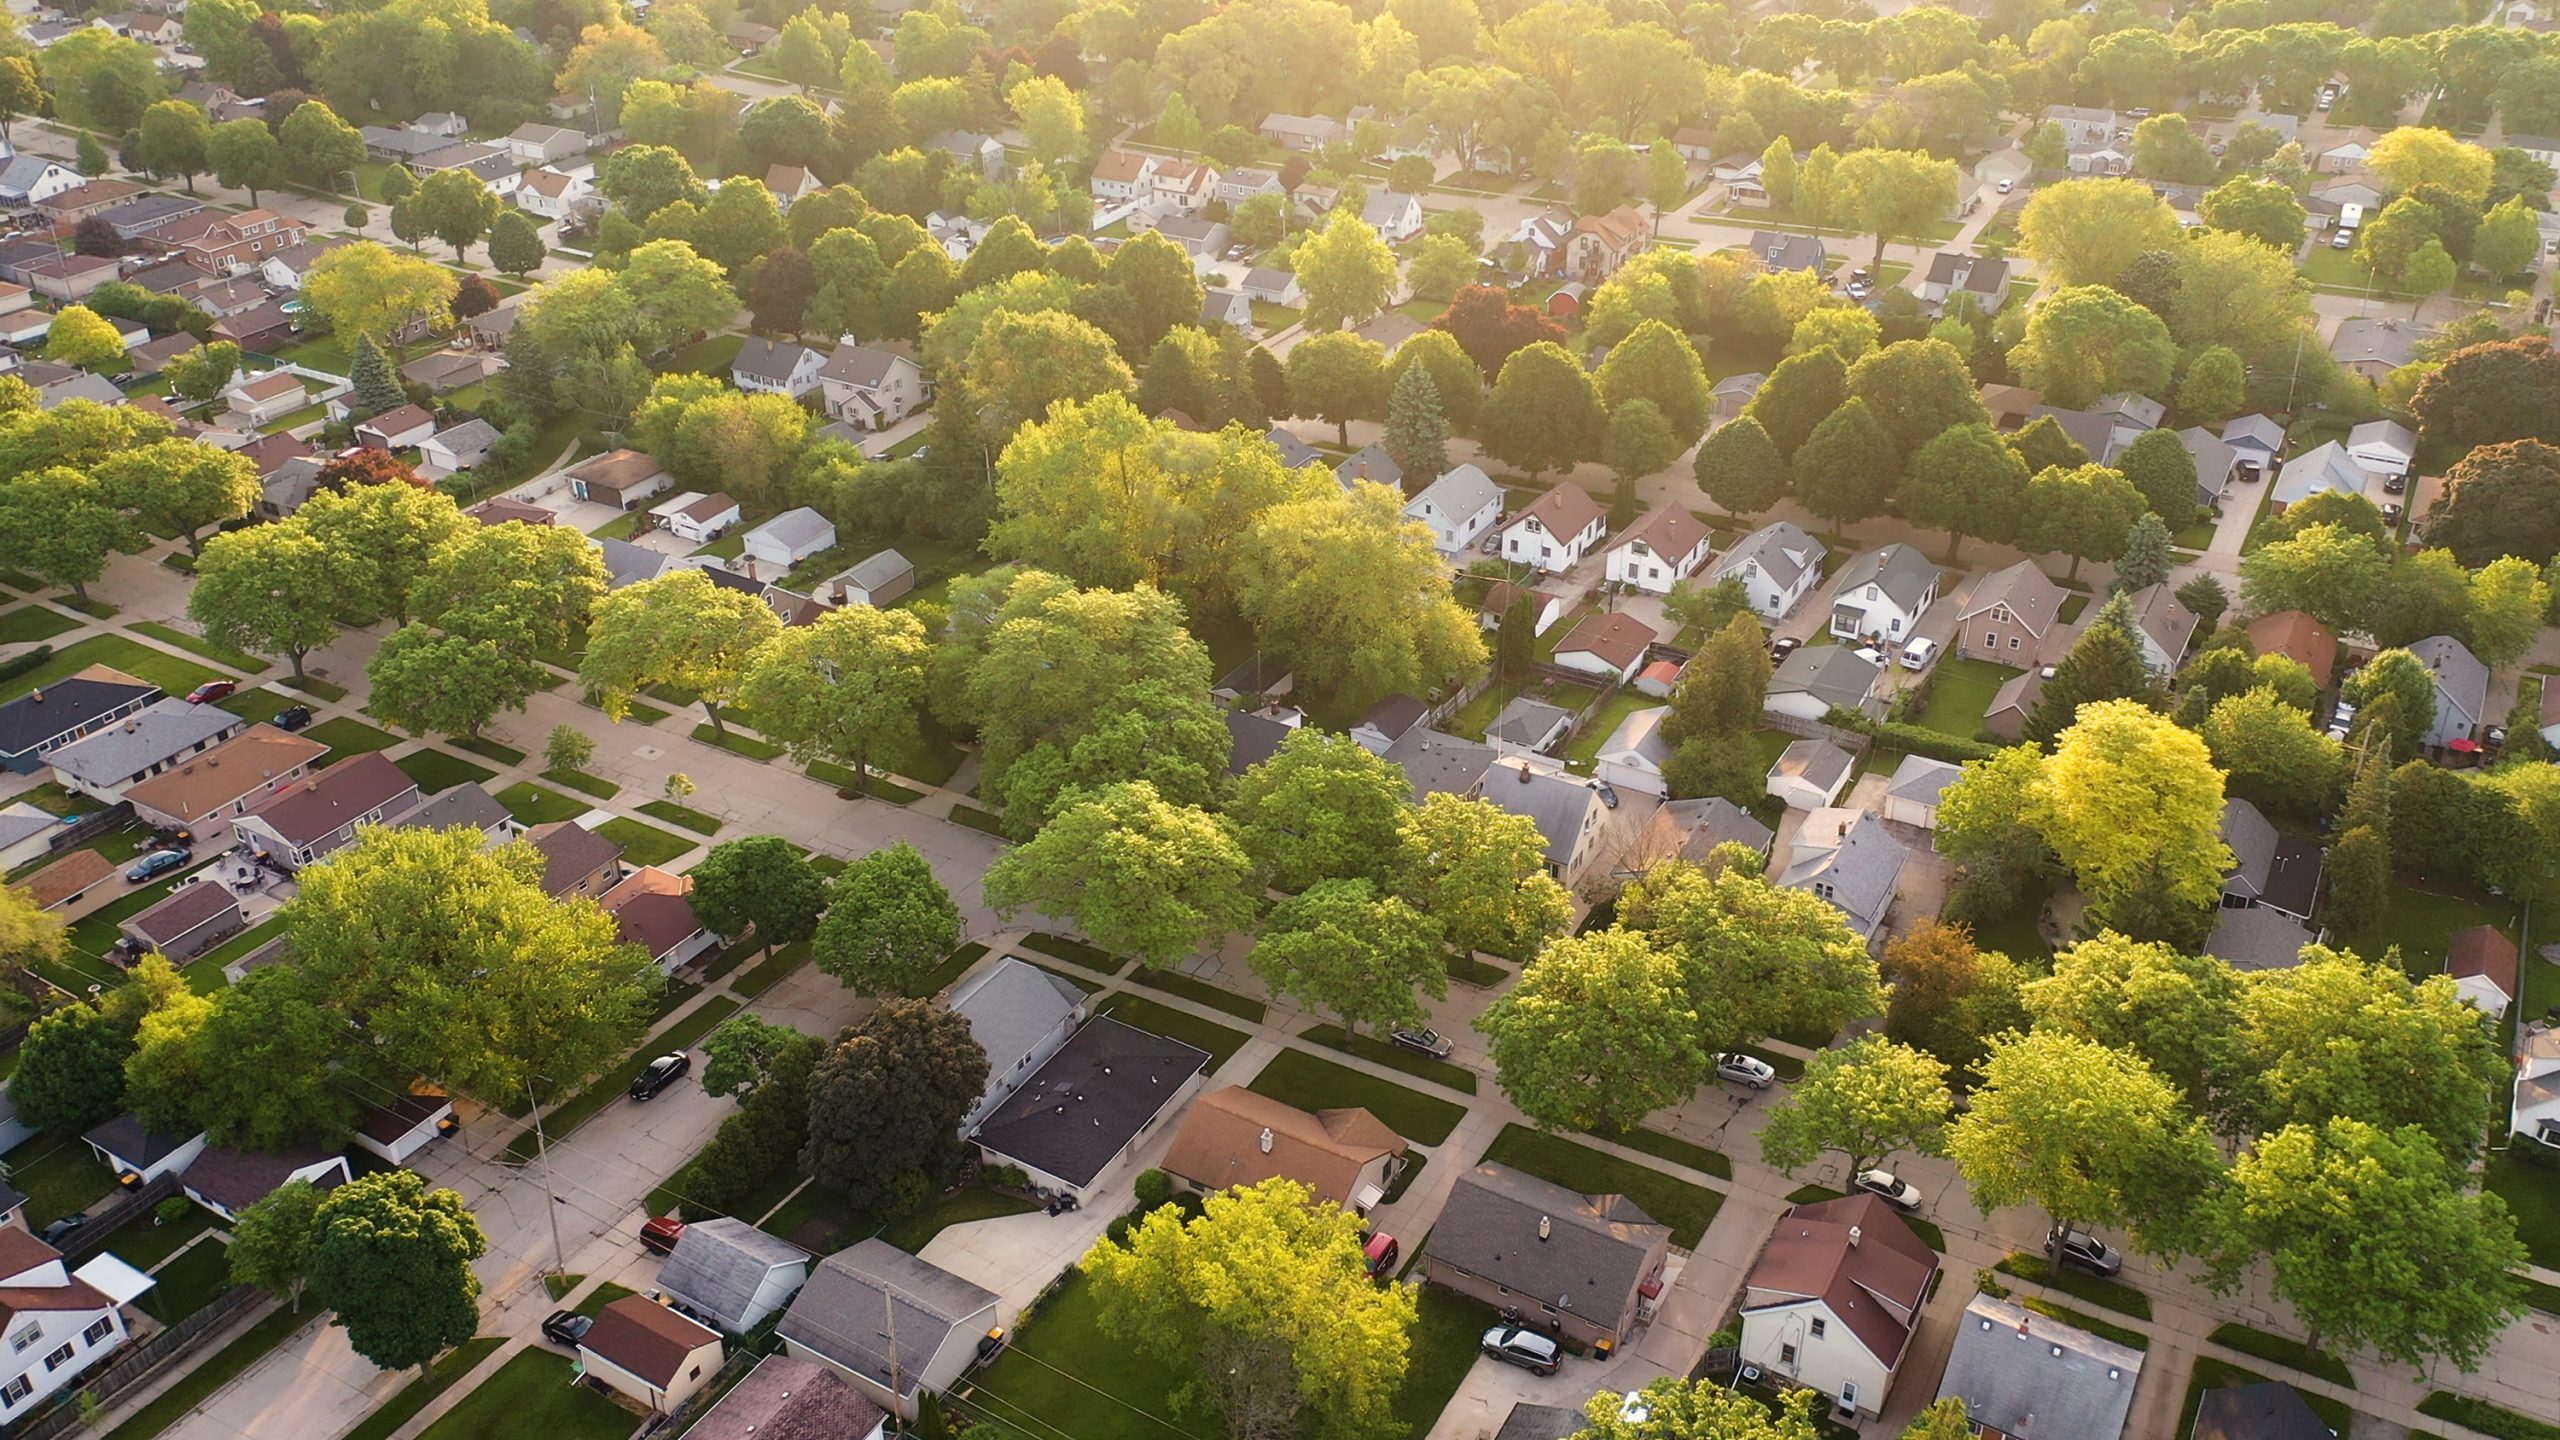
(660, 1073)
(212, 690)
(1895, 1191)
(2080, 1250)
(158, 862)
(1420, 1042)
(292, 717)
(1784, 646)
(661, 1234)
(1531, 1351)
(1917, 652)
(1378, 1253)
(60, 1230)
(1748, 1070)
(565, 1328)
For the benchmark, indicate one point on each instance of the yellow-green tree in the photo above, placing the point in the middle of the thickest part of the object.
(679, 630)
(2132, 805)
(1599, 1032)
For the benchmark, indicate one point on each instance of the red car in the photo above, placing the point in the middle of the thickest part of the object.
(211, 690)
(661, 1234)
(1380, 1253)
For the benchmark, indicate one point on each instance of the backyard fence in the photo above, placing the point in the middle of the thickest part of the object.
(93, 1236)
(137, 1364)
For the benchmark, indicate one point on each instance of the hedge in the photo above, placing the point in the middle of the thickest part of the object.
(21, 664)
(1914, 739)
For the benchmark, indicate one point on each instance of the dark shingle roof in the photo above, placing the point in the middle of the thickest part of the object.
(1077, 1112)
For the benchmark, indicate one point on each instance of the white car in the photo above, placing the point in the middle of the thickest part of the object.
(1895, 1191)
(1870, 654)
(2008, 185)
(1748, 1070)
(1917, 653)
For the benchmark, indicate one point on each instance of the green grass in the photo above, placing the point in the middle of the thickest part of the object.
(260, 704)
(644, 844)
(348, 737)
(1688, 1209)
(2129, 1338)
(976, 1202)
(533, 805)
(942, 976)
(2113, 1294)
(2533, 1193)
(224, 655)
(533, 1394)
(706, 357)
(241, 944)
(1379, 1052)
(1440, 1351)
(598, 1298)
(143, 662)
(59, 1176)
(29, 623)
(1062, 1375)
(1960, 694)
(1200, 992)
(1074, 952)
(144, 1246)
(738, 744)
(2482, 1416)
(2285, 1351)
(217, 1370)
(675, 814)
(437, 772)
(1294, 1077)
(2545, 1298)
(772, 971)
(488, 749)
(189, 1283)
(978, 820)
(583, 783)
(567, 1115)
(310, 685)
(1672, 1148)
(1221, 1042)
(1583, 750)
(2419, 922)
(417, 1394)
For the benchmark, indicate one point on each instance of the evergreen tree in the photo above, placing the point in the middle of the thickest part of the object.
(1518, 640)
(2145, 561)
(377, 389)
(2105, 663)
(1417, 436)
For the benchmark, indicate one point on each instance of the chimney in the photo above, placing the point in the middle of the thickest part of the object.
(1546, 1227)
(1855, 1235)
(37, 695)
(1524, 765)
(1266, 1139)
(2023, 1318)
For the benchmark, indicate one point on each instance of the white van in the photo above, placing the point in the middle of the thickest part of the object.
(2349, 218)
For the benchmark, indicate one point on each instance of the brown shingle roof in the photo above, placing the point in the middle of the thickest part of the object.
(1565, 510)
(237, 766)
(309, 810)
(2293, 633)
(570, 853)
(1814, 1254)
(617, 470)
(1220, 1144)
(1671, 532)
(646, 1338)
(67, 877)
(21, 1252)
(188, 909)
(1619, 638)
(2484, 951)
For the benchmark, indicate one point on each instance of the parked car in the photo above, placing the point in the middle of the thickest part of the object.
(60, 1230)
(1748, 1070)
(2342, 721)
(1420, 1042)
(1608, 794)
(1895, 1191)
(1531, 1351)
(1918, 652)
(659, 1074)
(661, 1234)
(565, 1328)
(158, 862)
(1380, 1256)
(2080, 1250)
(1784, 646)
(1870, 654)
(2394, 484)
(2343, 240)
(2391, 513)
(2008, 185)
(212, 690)
(292, 717)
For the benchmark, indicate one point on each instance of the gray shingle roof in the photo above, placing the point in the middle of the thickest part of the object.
(1597, 1246)
(2257, 938)
(1855, 870)
(2006, 1369)
(1641, 734)
(1439, 764)
(2255, 432)
(462, 807)
(1010, 1006)
(2460, 677)
(1899, 570)
(1832, 674)
(1816, 762)
(1783, 549)
(1527, 722)
(162, 730)
(772, 360)
(877, 570)
(1920, 778)
(2322, 468)
(796, 528)
(1705, 824)
(719, 1264)
(1556, 804)
(1080, 1110)
(2252, 839)
(858, 1297)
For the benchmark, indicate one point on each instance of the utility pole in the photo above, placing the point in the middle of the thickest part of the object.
(551, 1200)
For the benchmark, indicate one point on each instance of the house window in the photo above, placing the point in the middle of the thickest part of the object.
(60, 1357)
(98, 1330)
(1786, 1354)
(1817, 1329)
(1990, 641)
(17, 1390)
(26, 1337)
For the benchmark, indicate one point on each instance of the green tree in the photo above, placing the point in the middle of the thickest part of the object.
(70, 1071)
(1845, 470)
(2327, 571)
(2091, 1135)
(392, 1259)
(1139, 875)
(743, 1052)
(1799, 395)
(2337, 1037)
(1658, 364)
(2145, 558)
(2083, 513)
(1480, 871)
(204, 372)
(272, 589)
(367, 290)
(1343, 948)
(2273, 755)
(680, 630)
(1757, 959)
(1598, 1033)
(2131, 803)
(569, 748)
(1545, 413)
(1898, 192)
(1353, 598)
(2089, 341)
(1346, 269)
(1417, 435)
(515, 247)
(270, 1238)
(380, 531)
(1919, 389)
(2086, 232)
(2499, 498)
(80, 336)
(1337, 377)
(1265, 1295)
(889, 922)
(1323, 807)
(321, 149)
(2215, 387)
(424, 680)
(2261, 209)
(533, 586)
(2395, 699)
(182, 486)
(2159, 466)
(1866, 1100)
(2507, 239)
(1740, 469)
(886, 1102)
(761, 883)
(2508, 599)
(2175, 1011)
(377, 389)
(1966, 481)
(1949, 998)
(244, 155)
(841, 689)
(1721, 689)
(1638, 443)
(177, 140)
(457, 209)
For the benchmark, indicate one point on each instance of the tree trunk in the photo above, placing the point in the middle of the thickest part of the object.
(80, 591)
(1955, 544)
(713, 711)
(1342, 431)
(297, 666)
(2074, 572)
(195, 543)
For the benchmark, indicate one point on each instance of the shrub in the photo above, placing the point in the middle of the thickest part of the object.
(24, 663)
(1154, 1187)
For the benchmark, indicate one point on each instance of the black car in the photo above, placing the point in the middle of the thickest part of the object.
(661, 1073)
(566, 1328)
(60, 1230)
(292, 717)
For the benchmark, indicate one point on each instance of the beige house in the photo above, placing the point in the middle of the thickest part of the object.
(1233, 1136)
(645, 1350)
(2011, 616)
(1585, 1268)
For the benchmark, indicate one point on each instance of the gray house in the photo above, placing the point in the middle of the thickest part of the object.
(731, 1275)
(1850, 861)
(1021, 1015)
(2020, 1373)
(889, 1322)
(2462, 690)
(1585, 1267)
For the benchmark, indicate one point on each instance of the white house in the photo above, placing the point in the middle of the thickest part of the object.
(1545, 608)
(1458, 507)
(790, 537)
(1813, 681)
(61, 1322)
(777, 367)
(29, 179)
(1834, 1300)
(727, 1273)
(2534, 1113)
(1661, 550)
(695, 516)
(1120, 176)
(1611, 646)
(2462, 690)
(2384, 447)
(535, 143)
(2324, 468)
(652, 908)
(405, 1126)
(457, 447)
(552, 194)
(870, 388)
(1396, 216)
(1634, 754)
(2482, 962)
(1809, 775)
(1554, 531)
(1778, 564)
(261, 400)
(1911, 795)
(2022, 1372)
(1273, 287)
(227, 1181)
(128, 1147)
(841, 1317)
(646, 1351)
(1883, 593)
(396, 429)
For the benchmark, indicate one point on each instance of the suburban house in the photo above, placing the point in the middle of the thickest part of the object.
(2162, 625)
(1371, 463)
(2010, 616)
(1734, 392)
(234, 243)
(1120, 176)
(50, 717)
(2217, 463)
(1660, 550)
(695, 516)
(1265, 285)
(1231, 308)
(62, 1322)
(2022, 1373)
(2384, 447)
(2373, 348)
(619, 478)
(2462, 690)
(1396, 216)
(889, 1322)
(2297, 636)
(1587, 1269)
(1540, 242)
(554, 194)
(1953, 273)
(1883, 593)
(394, 429)
(2258, 439)
(1611, 645)
(1810, 683)
(647, 1352)
(2348, 154)
(1458, 507)
(227, 1181)
(25, 836)
(1777, 564)
(2534, 1113)
(790, 537)
(127, 1147)
(310, 818)
(777, 367)
(1021, 1015)
(1243, 182)
(405, 1126)
(95, 197)
(881, 579)
(1440, 764)
(870, 388)
(1554, 531)
(2482, 962)
(1529, 726)
(1567, 810)
(1692, 829)
(225, 780)
(2267, 868)
(107, 762)
(1544, 609)
(1255, 737)
(1301, 132)
(650, 909)
(1633, 755)
(456, 447)
(2082, 125)
(785, 1397)
(2322, 469)
(445, 371)
(1075, 1116)
(261, 400)
(1834, 1299)
(1847, 858)
(1203, 239)
(535, 143)
(463, 807)
(67, 879)
(32, 179)
(1809, 775)
(1232, 1136)
(1598, 244)
(187, 922)
(576, 861)
(1779, 250)
(2257, 938)
(1911, 794)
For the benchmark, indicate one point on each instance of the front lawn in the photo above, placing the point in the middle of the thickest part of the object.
(2113, 1294)
(772, 970)
(534, 1394)
(644, 844)
(1379, 1052)
(413, 1397)
(531, 804)
(675, 814)
(1308, 1082)
(436, 772)
(259, 705)
(33, 622)
(1221, 1042)
(189, 1283)
(1688, 1209)
(2532, 1192)
(1960, 695)
(976, 1202)
(1201, 992)
(121, 652)
(224, 655)
(348, 737)
(1063, 1376)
